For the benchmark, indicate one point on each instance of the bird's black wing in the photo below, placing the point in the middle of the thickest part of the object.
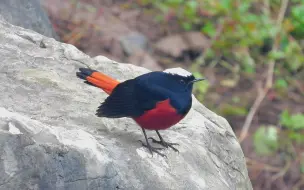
(129, 99)
(121, 102)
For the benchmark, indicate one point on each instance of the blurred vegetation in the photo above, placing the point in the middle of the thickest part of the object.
(243, 37)
(246, 38)
(267, 139)
(293, 124)
(246, 33)
(247, 29)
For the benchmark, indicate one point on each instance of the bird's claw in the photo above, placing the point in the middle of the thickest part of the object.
(165, 144)
(153, 149)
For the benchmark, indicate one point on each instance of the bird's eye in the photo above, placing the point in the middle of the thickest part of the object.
(182, 81)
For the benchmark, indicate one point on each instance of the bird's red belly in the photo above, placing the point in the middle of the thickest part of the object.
(161, 117)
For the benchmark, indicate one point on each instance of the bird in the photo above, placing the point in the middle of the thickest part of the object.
(155, 100)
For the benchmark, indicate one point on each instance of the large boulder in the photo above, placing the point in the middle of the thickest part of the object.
(27, 14)
(51, 139)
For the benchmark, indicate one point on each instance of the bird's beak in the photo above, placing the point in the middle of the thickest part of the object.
(197, 80)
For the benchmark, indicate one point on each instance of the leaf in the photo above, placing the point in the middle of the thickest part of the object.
(297, 16)
(284, 42)
(293, 122)
(249, 68)
(209, 53)
(296, 136)
(298, 12)
(297, 121)
(209, 29)
(285, 118)
(244, 7)
(281, 84)
(265, 140)
(276, 55)
(294, 56)
(192, 4)
(187, 26)
(226, 5)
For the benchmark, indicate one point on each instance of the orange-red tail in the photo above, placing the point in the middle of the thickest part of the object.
(97, 79)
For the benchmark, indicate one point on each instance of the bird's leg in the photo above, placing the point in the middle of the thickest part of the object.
(164, 143)
(151, 148)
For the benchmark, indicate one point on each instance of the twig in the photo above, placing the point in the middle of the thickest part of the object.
(299, 184)
(267, 7)
(261, 166)
(282, 172)
(269, 79)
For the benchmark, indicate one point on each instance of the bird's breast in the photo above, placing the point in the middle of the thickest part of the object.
(163, 116)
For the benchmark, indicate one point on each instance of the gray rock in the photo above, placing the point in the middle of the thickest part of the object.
(175, 45)
(133, 42)
(27, 14)
(143, 59)
(196, 41)
(51, 139)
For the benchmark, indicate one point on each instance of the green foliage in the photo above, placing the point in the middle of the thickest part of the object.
(266, 140)
(294, 55)
(231, 110)
(297, 16)
(201, 87)
(182, 9)
(280, 84)
(294, 125)
(246, 32)
(293, 122)
(246, 25)
(209, 29)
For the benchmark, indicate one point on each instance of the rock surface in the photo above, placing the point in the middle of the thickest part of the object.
(27, 14)
(143, 59)
(51, 139)
(176, 45)
(133, 42)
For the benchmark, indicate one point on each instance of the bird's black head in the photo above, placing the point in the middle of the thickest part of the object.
(179, 80)
(174, 80)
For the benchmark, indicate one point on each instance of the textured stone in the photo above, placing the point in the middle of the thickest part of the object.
(143, 59)
(27, 14)
(133, 42)
(173, 45)
(196, 41)
(51, 139)
(176, 45)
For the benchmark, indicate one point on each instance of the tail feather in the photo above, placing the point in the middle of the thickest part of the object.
(97, 79)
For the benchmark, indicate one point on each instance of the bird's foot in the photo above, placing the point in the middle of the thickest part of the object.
(165, 144)
(153, 149)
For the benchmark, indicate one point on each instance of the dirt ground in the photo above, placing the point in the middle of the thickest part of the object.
(98, 27)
